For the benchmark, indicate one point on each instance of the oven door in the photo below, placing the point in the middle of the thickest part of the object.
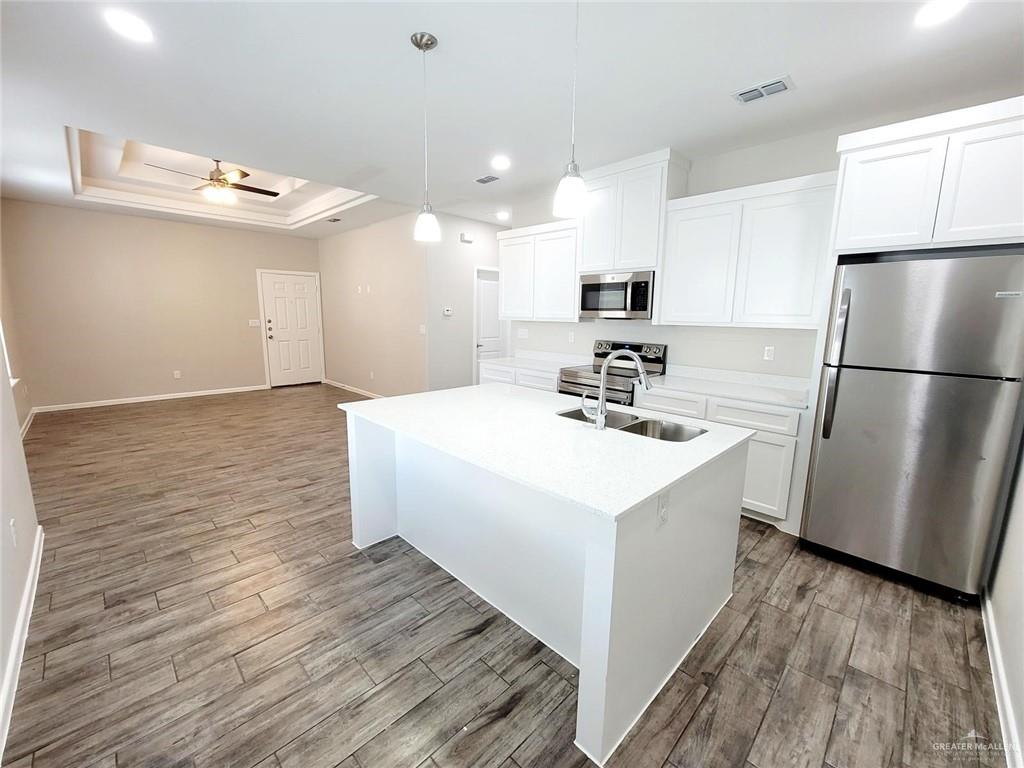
(617, 295)
(611, 395)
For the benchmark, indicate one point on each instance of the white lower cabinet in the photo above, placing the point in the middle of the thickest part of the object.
(772, 449)
(537, 380)
(769, 472)
(496, 374)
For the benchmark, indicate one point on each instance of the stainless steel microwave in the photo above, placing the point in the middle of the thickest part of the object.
(617, 295)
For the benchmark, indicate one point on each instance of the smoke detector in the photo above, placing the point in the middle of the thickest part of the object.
(768, 88)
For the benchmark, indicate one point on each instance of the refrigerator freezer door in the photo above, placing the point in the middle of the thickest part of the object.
(911, 476)
(947, 315)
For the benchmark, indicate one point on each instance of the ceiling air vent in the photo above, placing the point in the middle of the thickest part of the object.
(333, 221)
(769, 88)
(486, 179)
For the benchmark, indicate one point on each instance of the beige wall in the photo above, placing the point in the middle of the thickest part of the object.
(17, 513)
(739, 349)
(107, 306)
(1006, 597)
(383, 299)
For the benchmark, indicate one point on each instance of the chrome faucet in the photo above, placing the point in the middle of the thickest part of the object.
(600, 411)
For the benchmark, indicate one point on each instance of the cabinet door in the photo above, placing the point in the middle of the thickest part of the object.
(600, 224)
(769, 471)
(515, 276)
(983, 184)
(641, 201)
(537, 380)
(889, 194)
(492, 374)
(699, 273)
(554, 272)
(783, 249)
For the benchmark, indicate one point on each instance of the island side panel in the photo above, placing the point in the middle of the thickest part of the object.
(518, 548)
(371, 468)
(653, 584)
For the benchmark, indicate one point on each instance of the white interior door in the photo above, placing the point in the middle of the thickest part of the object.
(489, 335)
(291, 328)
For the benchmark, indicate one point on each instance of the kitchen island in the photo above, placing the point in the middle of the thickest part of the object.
(614, 549)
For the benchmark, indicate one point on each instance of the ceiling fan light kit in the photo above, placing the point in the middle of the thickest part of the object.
(427, 229)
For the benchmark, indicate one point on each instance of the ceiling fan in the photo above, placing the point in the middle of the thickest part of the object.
(219, 185)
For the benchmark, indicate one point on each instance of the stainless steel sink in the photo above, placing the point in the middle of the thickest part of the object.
(614, 420)
(663, 430)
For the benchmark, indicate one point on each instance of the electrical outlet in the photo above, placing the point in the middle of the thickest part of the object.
(769, 353)
(367, 288)
(359, 289)
(254, 323)
(523, 333)
(371, 375)
(177, 374)
(572, 337)
(423, 330)
(14, 534)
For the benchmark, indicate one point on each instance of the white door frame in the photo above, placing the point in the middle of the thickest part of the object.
(263, 318)
(476, 277)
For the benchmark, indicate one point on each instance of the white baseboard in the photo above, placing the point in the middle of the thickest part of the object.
(13, 662)
(1007, 720)
(28, 423)
(145, 399)
(357, 390)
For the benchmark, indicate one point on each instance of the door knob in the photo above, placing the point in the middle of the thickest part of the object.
(271, 336)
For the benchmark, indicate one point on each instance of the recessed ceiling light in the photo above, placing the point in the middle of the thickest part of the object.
(501, 162)
(935, 12)
(128, 25)
(502, 215)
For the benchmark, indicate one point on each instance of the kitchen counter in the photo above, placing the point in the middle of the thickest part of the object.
(616, 550)
(770, 390)
(501, 428)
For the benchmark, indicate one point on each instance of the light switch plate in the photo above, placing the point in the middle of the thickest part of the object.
(254, 323)
(523, 333)
(769, 352)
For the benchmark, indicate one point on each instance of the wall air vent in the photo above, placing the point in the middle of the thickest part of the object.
(769, 88)
(486, 179)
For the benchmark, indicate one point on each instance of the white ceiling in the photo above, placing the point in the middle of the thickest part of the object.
(331, 92)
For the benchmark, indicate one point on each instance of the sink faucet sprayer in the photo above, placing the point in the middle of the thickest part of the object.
(598, 413)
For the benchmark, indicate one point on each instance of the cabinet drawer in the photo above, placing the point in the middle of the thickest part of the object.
(769, 472)
(491, 373)
(753, 416)
(537, 380)
(680, 403)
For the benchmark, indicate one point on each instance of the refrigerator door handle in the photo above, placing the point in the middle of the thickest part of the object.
(829, 410)
(835, 347)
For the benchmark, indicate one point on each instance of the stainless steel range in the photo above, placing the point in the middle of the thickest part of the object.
(622, 373)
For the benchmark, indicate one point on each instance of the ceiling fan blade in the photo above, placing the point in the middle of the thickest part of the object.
(235, 176)
(257, 190)
(204, 178)
(201, 187)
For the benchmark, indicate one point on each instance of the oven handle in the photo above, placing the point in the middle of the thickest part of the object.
(565, 388)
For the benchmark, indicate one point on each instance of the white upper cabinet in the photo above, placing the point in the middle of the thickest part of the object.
(698, 275)
(641, 202)
(537, 274)
(982, 192)
(623, 226)
(952, 178)
(889, 194)
(752, 256)
(599, 225)
(780, 274)
(515, 270)
(554, 272)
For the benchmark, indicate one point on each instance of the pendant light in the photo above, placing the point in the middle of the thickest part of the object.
(571, 195)
(427, 229)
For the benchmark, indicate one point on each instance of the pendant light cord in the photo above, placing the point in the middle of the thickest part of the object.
(426, 183)
(575, 66)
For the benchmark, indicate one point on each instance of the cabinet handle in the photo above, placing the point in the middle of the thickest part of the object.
(829, 411)
(838, 340)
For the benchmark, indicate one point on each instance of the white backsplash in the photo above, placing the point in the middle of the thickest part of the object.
(733, 349)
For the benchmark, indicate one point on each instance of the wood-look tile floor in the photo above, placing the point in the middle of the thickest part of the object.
(200, 604)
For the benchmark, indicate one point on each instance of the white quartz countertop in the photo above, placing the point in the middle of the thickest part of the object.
(516, 433)
(769, 394)
(529, 363)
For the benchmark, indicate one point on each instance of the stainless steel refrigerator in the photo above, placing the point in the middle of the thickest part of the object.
(919, 418)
